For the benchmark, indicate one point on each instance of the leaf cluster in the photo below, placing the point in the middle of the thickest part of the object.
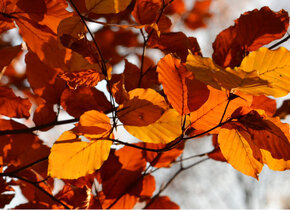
(163, 104)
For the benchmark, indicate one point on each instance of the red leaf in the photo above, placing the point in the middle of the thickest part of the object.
(251, 31)
(199, 13)
(13, 106)
(83, 99)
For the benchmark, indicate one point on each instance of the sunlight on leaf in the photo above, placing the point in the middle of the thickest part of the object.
(164, 130)
(70, 158)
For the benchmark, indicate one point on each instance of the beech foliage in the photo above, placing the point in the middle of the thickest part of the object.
(164, 104)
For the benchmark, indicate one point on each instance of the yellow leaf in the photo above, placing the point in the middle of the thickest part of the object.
(70, 158)
(238, 152)
(107, 6)
(144, 107)
(93, 124)
(205, 70)
(275, 164)
(164, 130)
(272, 66)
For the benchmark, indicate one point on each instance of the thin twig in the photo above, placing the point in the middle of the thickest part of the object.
(171, 179)
(280, 42)
(40, 188)
(39, 127)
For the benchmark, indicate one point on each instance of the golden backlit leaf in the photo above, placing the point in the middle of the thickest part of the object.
(144, 107)
(93, 124)
(107, 6)
(275, 164)
(271, 66)
(237, 150)
(71, 158)
(164, 130)
(205, 70)
(185, 93)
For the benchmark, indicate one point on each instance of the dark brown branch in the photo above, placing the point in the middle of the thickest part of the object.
(103, 63)
(27, 166)
(30, 130)
(147, 39)
(40, 188)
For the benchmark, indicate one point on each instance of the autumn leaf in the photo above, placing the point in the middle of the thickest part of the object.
(175, 42)
(273, 163)
(149, 77)
(238, 151)
(185, 93)
(107, 6)
(13, 106)
(271, 66)
(8, 54)
(268, 133)
(252, 30)
(83, 99)
(205, 70)
(256, 74)
(210, 113)
(19, 150)
(146, 11)
(144, 107)
(164, 130)
(93, 124)
(43, 79)
(199, 13)
(163, 159)
(162, 202)
(265, 103)
(71, 158)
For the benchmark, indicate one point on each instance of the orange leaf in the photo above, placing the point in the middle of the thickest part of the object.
(241, 153)
(199, 13)
(93, 124)
(163, 159)
(175, 42)
(87, 78)
(71, 158)
(162, 202)
(268, 133)
(210, 113)
(185, 93)
(13, 106)
(265, 103)
(132, 72)
(43, 79)
(8, 54)
(251, 31)
(146, 11)
(20, 150)
(83, 99)
(117, 86)
(44, 114)
(106, 6)
(144, 107)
